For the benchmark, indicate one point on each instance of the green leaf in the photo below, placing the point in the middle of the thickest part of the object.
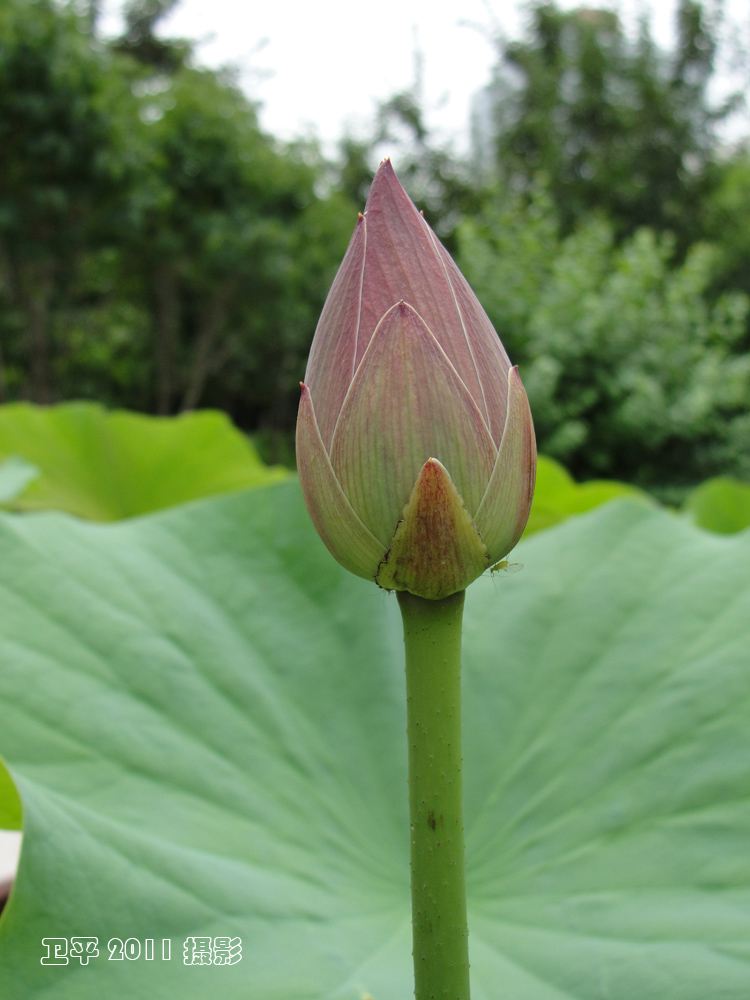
(108, 465)
(11, 813)
(205, 717)
(721, 505)
(15, 475)
(557, 496)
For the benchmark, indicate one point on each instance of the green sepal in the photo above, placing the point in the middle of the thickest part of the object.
(436, 549)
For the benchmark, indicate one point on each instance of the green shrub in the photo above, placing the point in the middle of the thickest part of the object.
(631, 369)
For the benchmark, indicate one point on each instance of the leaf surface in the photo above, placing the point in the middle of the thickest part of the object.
(721, 504)
(15, 475)
(205, 717)
(558, 496)
(108, 465)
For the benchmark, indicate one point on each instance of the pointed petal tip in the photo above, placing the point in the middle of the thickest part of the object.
(385, 183)
(402, 310)
(436, 549)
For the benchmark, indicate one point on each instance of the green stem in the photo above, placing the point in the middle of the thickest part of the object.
(432, 636)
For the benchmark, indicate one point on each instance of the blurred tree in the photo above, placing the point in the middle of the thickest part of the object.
(632, 371)
(63, 165)
(613, 124)
(222, 212)
(356, 167)
(726, 218)
(156, 248)
(140, 41)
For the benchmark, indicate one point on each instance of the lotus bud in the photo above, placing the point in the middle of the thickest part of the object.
(415, 444)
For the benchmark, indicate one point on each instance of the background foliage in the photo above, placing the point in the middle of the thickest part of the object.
(159, 252)
(632, 367)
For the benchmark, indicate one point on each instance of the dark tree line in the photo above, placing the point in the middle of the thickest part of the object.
(157, 250)
(613, 123)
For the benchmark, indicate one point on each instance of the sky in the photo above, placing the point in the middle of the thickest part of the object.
(319, 68)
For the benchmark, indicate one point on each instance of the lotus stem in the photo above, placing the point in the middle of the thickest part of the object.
(432, 636)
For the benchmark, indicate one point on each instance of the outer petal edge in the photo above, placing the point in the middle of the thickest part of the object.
(345, 536)
(333, 353)
(505, 506)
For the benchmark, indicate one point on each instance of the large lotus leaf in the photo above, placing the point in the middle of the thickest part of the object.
(205, 717)
(107, 465)
(557, 495)
(15, 475)
(721, 504)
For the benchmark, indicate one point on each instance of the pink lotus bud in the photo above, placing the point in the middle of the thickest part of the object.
(415, 444)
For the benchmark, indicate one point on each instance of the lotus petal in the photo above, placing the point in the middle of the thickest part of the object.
(406, 403)
(335, 353)
(346, 538)
(505, 507)
(487, 350)
(405, 260)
